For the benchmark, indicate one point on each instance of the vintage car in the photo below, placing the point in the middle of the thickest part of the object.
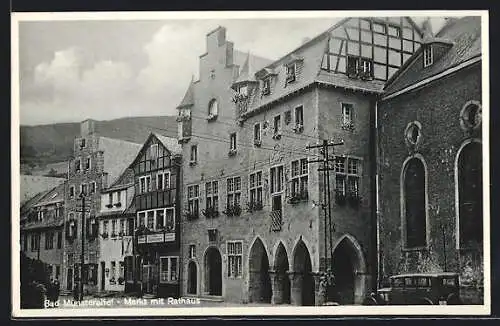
(419, 289)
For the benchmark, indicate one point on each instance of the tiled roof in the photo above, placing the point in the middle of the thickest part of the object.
(465, 35)
(170, 143)
(31, 185)
(250, 66)
(118, 154)
(189, 96)
(343, 81)
(52, 196)
(45, 224)
(312, 56)
(30, 203)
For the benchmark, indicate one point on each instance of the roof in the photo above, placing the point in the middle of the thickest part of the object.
(55, 195)
(188, 98)
(465, 37)
(118, 154)
(170, 143)
(31, 185)
(250, 66)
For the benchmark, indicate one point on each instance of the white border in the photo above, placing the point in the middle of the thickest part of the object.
(239, 311)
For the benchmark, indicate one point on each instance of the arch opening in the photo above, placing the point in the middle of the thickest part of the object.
(348, 266)
(303, 286)
(192, 278)
(281, 283)
(213, 272)
(259, 286)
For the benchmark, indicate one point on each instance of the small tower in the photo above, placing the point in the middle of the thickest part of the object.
(184, 114)
(244, 85)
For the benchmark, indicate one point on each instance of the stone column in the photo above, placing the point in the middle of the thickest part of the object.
(319, 290)
(277, 286)
(296, 285)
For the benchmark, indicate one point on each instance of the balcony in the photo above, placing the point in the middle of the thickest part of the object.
(276, 220)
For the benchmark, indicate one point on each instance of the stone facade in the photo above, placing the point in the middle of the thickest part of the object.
(438, 107)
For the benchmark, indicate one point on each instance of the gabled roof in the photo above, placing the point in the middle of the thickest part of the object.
(117, 156)
(52, 196)
(171, 144)
(465, 35)
(189, 95)
(31, 185)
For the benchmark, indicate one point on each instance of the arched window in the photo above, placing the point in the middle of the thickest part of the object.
(213, 108)
(470, 195)
(414, 204)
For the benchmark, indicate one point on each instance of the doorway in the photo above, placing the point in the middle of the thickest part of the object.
(213, 272)
(69, 280)
(192, 278)
(103, 275)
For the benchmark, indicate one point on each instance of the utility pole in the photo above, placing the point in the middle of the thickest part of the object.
(326, 194)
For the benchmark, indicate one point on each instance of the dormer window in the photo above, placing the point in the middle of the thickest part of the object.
(365, 68)
(213, 110)
(428, 56)
(243, 90)
(266, 86)
(290, 72)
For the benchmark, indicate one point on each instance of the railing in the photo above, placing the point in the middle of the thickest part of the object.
(276, 220)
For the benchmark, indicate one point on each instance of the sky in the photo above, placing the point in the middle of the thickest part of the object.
(73, 70)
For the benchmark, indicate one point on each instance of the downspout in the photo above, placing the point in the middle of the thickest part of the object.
(374, 197)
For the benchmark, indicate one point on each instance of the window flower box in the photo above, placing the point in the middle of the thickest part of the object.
(113, 235)
(109, 205)
(340, 198)
(121, 280)
(238, 98)
(121, 234)
(277, 135)
(348, 126)
(212, 117)
(104, 235)
(290, 77)
(257, 142)
(210, 212)
(298, 128)
(169, 228)
(298, 197)
(112, 281)
(232, 210)
(232, 152)
(254, 206)
(118, 204)
(192, 163)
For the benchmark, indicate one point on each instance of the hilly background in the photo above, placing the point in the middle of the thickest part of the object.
(47, 147)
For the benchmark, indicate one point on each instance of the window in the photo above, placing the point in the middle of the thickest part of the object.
(160, 219)
(212, 195)
(347, 116)
(113, 228)
(347, 176)
(87, 163)
(232, 142)
(414, 205)
(142, 219)
(122, 226)
(113, 271)
(145, 184)
(290, 72)
(83, 189)
(470, 195)
(25, 242)
(169, 269)
(257, 134)
(152, 153)
(82, 143)
(35, 241)
(233, 191)
(93, 187)
(277, 125)
(266, 86)
(77, 165)
(213, 108)
(276, 179)
(428, 59)
(300, 174)
(299, 119)
(366, 68)
(243, 90)
(150, 215)
(163, 180)
(192, 251)
(256, 188)
(352, 66)
(49, 240)
(59, 240)
(394, 31)
(288, 117)
(235, 258)
(122, 270)
(194, 153)
(71, 191)
(110, 199)
(193, 200)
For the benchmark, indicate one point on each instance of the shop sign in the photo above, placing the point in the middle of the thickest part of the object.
(169, 237)
(154, 238)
